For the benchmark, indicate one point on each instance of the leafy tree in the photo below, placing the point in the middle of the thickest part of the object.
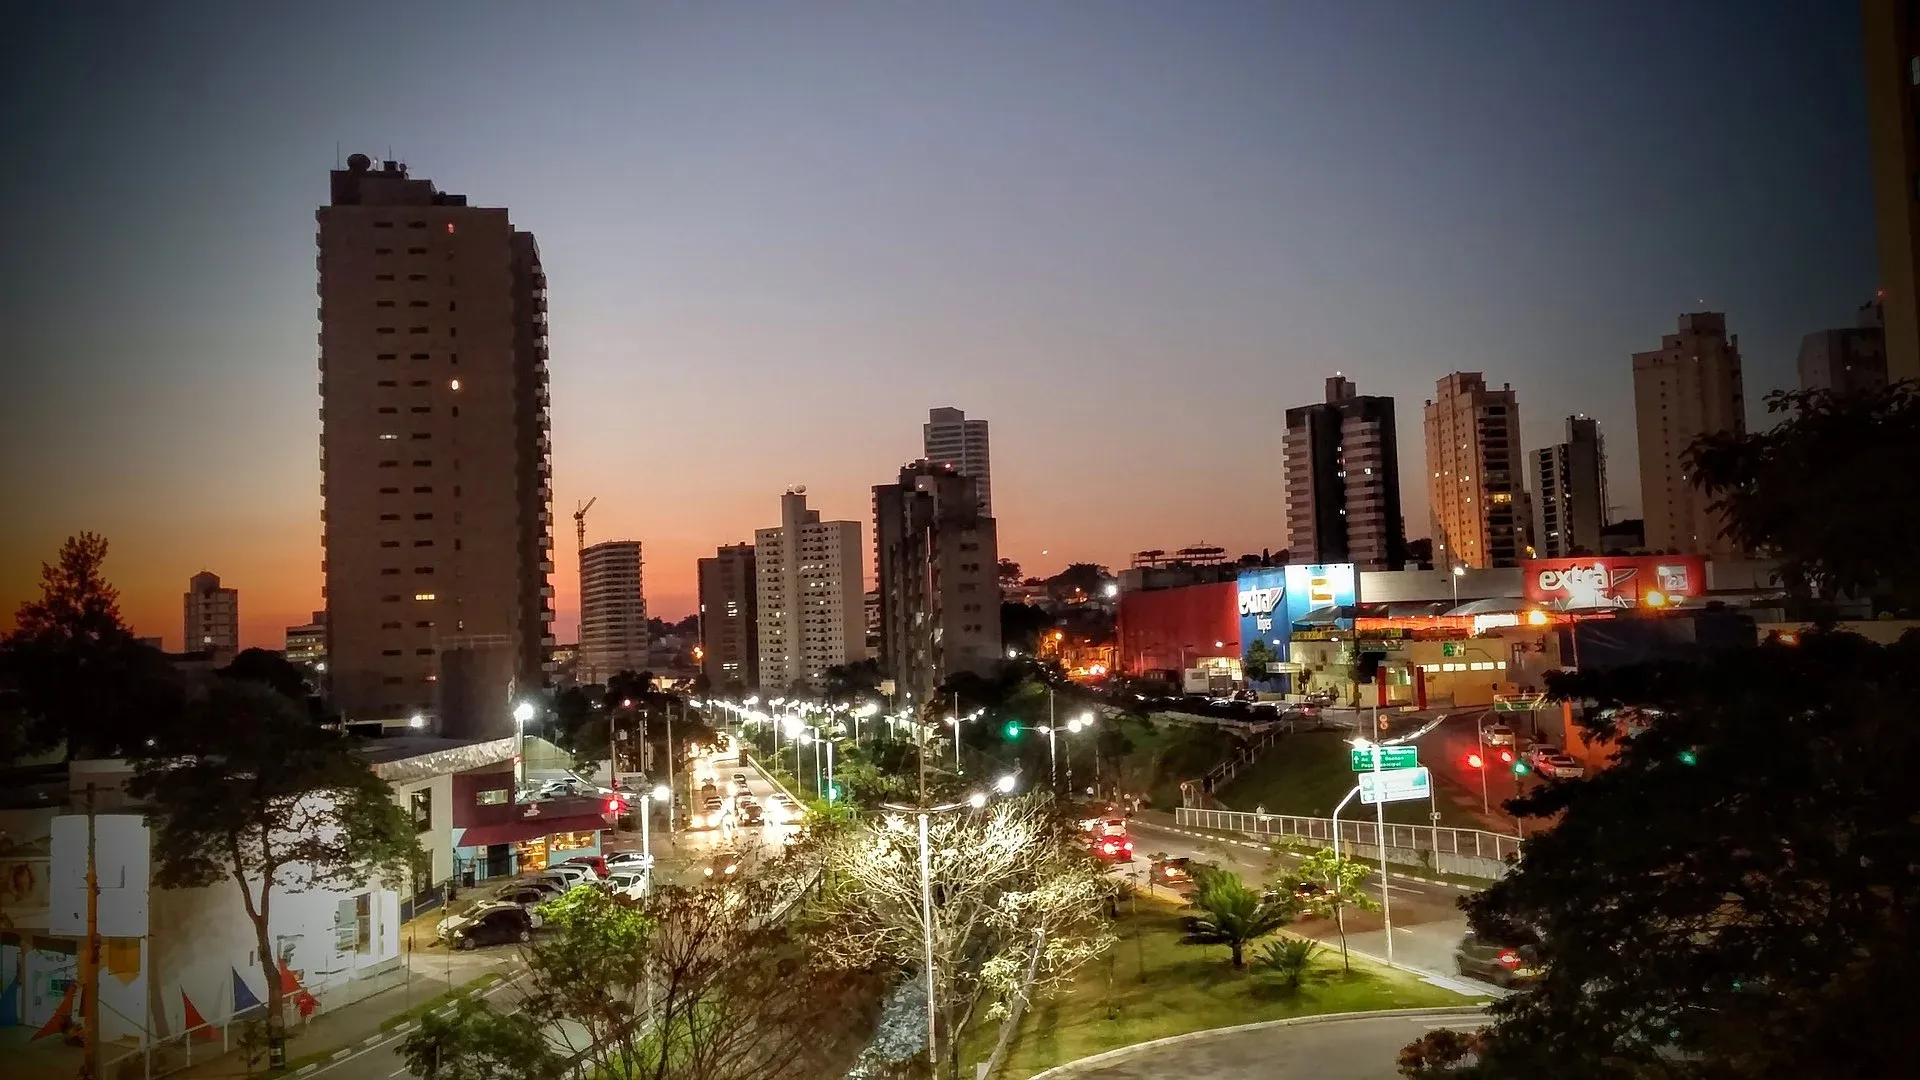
(1018, 908)
(257, 795)
(1009, 573)
(75, 675)
(271, 670)
(477, 1043)
(852, 684)
(1228, 913)
(590, 968)
(1078, 578)
(1746, 864)
(1812, 489)
(1285, 962)
(1021, 626)
(1341, 881)
(1260, 656)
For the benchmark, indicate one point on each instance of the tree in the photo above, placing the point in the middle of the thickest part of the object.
(1745, 864)
(1017, 908)
(1340, 880)
(1259, 658)
(590, 968)
(852, 684)
(1009, 573)
(1228, 913)
(1286, 961)
(271, 670)
(1078, 579)
(1021, 626)
(1815, 489)
(75, 675)
(477, 1043)
(256, 794)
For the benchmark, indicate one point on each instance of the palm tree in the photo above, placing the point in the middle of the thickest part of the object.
(1228, 913)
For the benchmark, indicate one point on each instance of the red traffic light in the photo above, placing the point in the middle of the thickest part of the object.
(1475, 761)
(616, 805)
(1506, 757)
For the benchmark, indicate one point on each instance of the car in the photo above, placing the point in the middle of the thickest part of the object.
(1560, 766)
(561, 788)
(722, 866)
(1173, 872)
(1538, 755)
(1305, 896)
(751, 814)
(631, 883)
(594, 863)
(712, 814)
(488, 924)
(1502, 964)
(1111, 848)
(621, 862)
(1496, 735)
(740, 787)
(740, 777)
(780, 808)
(568, 876)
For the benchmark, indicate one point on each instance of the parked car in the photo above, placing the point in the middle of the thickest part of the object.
(1502, 964)
(1496, 735)
(567, 876)
(623, 862)
(488, 924)
(1560, 766)
(526, 894)
(631, 883)
(594, 863)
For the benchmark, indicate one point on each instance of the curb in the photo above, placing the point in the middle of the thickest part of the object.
(1107, 1057)
(1263, 847)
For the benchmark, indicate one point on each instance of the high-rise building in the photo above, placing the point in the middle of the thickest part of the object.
(212, 616)
(729, 619)
(1891, 32)
(1570, 492)
(306, 645)
(949, 438)
(1688, 387)
(435, 462)
(1849, 359)
(1473, 456)
(938, 577)
(613, 612)
(809, 584)
(1343, 481)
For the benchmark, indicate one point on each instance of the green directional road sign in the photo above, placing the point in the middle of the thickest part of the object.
(1398, 786)
(1392, 757)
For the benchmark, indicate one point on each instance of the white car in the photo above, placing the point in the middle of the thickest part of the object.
(568, 875)
(1560, 766)
(1539, 755)
(1496, 735)
(629, 883)
(627, 862)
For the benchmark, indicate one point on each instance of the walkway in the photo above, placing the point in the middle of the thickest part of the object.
(1358, 1048)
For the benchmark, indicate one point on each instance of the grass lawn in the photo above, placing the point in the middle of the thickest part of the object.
(1150, 986)
(441, 1000)
(1309, 773)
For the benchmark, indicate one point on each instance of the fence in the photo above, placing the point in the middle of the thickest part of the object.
(1455, 851)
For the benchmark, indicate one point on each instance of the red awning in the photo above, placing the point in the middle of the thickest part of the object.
(528, 829)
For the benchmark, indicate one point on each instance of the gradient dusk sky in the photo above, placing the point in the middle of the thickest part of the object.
(1128, 234)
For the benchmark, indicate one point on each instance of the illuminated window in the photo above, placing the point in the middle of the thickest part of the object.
(423, 596)
(454, 384)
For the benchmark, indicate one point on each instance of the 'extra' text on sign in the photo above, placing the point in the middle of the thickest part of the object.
(1400, 785)
(1260, 603)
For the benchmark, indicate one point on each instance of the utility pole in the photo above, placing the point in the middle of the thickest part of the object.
(90, 958)
(670, 799)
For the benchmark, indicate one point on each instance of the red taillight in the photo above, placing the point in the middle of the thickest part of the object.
(1509, 959)
(1169, 871)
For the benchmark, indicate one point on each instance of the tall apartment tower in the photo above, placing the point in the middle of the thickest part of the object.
(1474, 492)
(1891, 33)
(1849, 359)
(937, 560)
(435, 464)
(729, 619)
(613, 612)
(306, 645)
(212, 616)
(809, 584)
(1343, 481)
(1570, 492)
(1688, 387)
(950, 438)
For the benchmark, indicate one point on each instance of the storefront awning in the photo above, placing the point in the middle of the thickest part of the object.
(513, 832)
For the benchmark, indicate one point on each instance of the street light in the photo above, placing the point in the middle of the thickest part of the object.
(522, 713)
(1453, 579)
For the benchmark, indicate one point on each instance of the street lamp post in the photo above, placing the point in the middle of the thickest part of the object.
(646, 814)
(522, 714)
(1453, 579)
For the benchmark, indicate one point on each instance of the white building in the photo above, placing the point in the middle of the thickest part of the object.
(952, 439)
(212, 616)
(613, 611)
(810, 595)
(1690, 386)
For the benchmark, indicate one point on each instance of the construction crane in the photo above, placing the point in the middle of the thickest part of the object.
(580, 522)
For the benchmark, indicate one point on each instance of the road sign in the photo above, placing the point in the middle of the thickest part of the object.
(1399, 785)
(1392, 757)
(1518, 702)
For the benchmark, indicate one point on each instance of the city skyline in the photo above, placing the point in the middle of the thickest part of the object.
(1257, 216)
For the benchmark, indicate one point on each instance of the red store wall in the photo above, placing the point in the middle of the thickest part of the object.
(1168, 629)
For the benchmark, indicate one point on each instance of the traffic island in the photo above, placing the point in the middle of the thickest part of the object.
(1151, 985)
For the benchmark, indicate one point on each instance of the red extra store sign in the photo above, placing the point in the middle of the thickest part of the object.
(1613, 581)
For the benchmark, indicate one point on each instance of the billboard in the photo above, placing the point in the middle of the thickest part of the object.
(1616, 581)
(1272, 599)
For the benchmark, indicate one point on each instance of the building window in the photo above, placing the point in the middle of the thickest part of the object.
(383, 303)
(422, 543)
(416, 251)
(389, 652)
(422, 810)
(494, 797)
(389, 543)
(420, 596)
(416, 329)
(353, 924)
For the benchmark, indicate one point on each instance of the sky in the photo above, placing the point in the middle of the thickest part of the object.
(1130, 235)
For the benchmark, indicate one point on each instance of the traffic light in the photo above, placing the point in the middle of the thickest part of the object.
(1011, 728)
(1521, 768)
(1506, 757)
(1688, 757)
(833, 792)
(616, 805)
(1475, 761)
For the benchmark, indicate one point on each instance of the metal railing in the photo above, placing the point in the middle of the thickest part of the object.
(1465, 851)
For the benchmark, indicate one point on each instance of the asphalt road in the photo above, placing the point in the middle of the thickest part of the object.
(1359, 1049)
(1427, 921)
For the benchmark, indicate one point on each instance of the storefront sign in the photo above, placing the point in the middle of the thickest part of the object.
(1616, 581)
(1262, 596)
(1310, 588)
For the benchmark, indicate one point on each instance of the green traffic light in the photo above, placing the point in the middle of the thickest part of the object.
(1520, 768)
(1012, 729)
(1688, 757)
